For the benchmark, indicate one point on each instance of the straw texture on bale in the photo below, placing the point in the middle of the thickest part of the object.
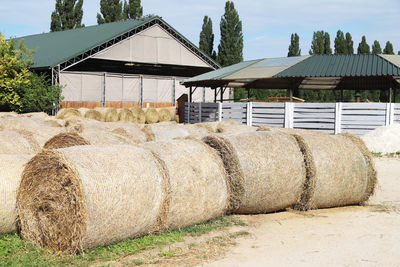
(68, 112)
(198, 190)
(164, 115)
(93, 114)
(8, 114)
(65, 201)
(83, 111)
(14, 143)
(152, 116)
(130, 131)
(272, 167)
(11, 167)
(139, 115)
(108, 114)
(96, 137)
(65, 140)
(39, 115)
(125, 115)
(229, 128)
(342, 173)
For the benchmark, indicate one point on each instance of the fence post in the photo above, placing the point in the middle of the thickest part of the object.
(249, 114)
(391, 116)
(388, 114)
(289, 110)
(219, 111)
(338, 118)
(200, 112)
(189, 108)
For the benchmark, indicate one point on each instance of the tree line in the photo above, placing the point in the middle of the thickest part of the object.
(68, 13)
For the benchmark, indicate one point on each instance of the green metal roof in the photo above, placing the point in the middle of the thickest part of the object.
(342, 66)
(223, 72)
(55, 48)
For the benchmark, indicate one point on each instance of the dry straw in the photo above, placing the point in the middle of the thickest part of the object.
(68, 112)
(125, 115)
(164, 131)
(164, 115)
(11, 167)
(108, 114)
(65, 140)
(94, 115)
(14, 143)
(342, 174)
(271, 165)
(139, 115)
(152, 116)
(198, 190)
(68, 201)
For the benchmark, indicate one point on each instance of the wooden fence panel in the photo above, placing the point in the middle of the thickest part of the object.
(234, 112)
(271, 114)
(315, 116)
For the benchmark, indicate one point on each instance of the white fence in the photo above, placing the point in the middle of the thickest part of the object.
(355, 118)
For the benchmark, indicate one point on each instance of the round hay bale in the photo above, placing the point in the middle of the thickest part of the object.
(14, 143)
(65, 201)
(93, 115)
(126, 115)
(68, 112)
(108, 114)
(165, 131)
(39, 115)
(8, 114)
(164, 115)
(83, 111)
(130, 131)
(342, 174)
(11, 167)
(266, 170)
(65, 140)
(229, 128)
(96, 137)
(139, 115)
(197, 185)
(152, 116)
(211, 127)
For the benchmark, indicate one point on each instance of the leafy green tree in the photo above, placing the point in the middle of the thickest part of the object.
(14, 73)
(133, 9)
(340, 43)
(20, 89)
(388, 50)
(206, 43)
(230, 49)
(294, 47)
(67, 15)
(349, 44)
(317, 44)
(327, 44)
(363, 47)
(111, 10)
(376, 48)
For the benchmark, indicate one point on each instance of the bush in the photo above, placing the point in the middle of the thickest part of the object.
(20, 89)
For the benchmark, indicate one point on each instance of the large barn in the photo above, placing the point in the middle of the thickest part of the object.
(121, 64)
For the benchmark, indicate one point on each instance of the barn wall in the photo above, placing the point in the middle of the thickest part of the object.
(153, 45)
(82, 89)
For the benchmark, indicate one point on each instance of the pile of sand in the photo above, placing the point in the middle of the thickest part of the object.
(384, 139)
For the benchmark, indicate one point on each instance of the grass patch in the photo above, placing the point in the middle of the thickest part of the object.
(16, 252)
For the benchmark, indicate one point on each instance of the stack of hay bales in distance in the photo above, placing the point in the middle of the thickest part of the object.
(108, 114)
(125, 115)
(139, 115)
(152, 116)
(164, 115)
(11, 167)
(266, 170)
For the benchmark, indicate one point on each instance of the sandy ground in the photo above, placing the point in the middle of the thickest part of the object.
(349, 236)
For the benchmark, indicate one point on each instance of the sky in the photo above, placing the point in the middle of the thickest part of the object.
(267, 24)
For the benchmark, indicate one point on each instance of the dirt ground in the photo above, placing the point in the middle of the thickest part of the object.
(348, 236)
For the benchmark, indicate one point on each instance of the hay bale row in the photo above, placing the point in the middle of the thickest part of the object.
(65, 202)
(11, 167)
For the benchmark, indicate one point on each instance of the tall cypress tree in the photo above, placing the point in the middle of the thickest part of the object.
(294, 47)
(327, 44)
(349, 44)
(206, 43)
(363, 47)
(317, 44)
(340, 43)
(230, 49)
(388, 50)
(111, 10)
(67, 15)
(132, 9)
(376, 48)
